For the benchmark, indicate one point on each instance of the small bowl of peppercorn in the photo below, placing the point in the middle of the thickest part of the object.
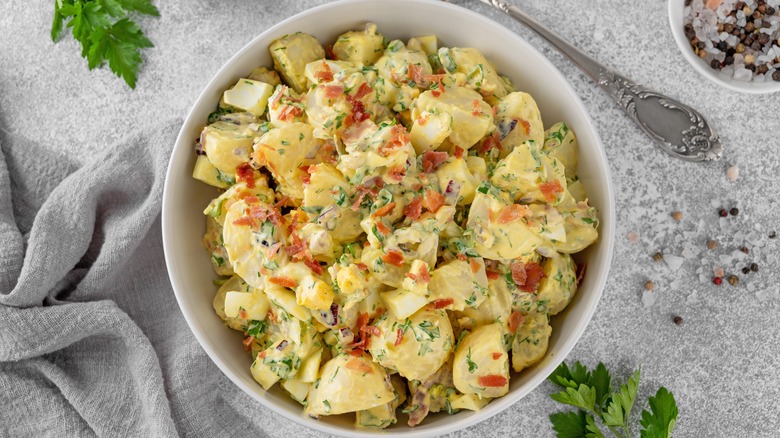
(733, 43)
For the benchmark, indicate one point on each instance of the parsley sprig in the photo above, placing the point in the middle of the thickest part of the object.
(591, 392)
(105, 32)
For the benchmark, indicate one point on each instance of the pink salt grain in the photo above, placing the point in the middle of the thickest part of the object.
(732, 173)
(713, 4)
(633, 237)
(718, 271)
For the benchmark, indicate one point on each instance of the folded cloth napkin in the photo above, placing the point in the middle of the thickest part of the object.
(92, 342)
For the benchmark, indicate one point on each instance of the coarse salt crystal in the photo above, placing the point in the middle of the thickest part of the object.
(648, 298)
(732, 173)
(674, 262)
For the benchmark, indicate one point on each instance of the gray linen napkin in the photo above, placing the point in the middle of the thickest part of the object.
(91, 339)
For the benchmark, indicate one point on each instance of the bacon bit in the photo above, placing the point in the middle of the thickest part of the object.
(492, 381)
(246, 220)
(363, 90)
(366, 244)
(358, 351)
(358, 111)
(458, 152)
(248, 343)
(515, 321)
(496, 355)
(383, 211)
(263, 213)
(261, 354)
(415, 73)
(359, 365)
(245, 173)
(489, 143)
(476, 108)
(274, 249)
(283, 281)
(329, 51)
(512, 213)
(581, 269)
(526, 126)
(534, 274)
(250, 199)
(289, 112)
(442, 303)
(399, 337)
(298, 248)
(372, 330)
(324, 75)
(461, 257)
(242, 313)
(398, 139)
(491, 215)
(382, 228)
(333, 91)
(549, 189)
(518, 273)
(422, 276)
(278, 98)
(313, 265)
(414, 209)
(422, 119)
(397, 173)
(431, 160)
(358, 200)
(284, 202)
(492, 275)
(362, 266)
(306, 179)
(394, 257)
(436, 79)
(474, 265)
(433, 200)
(495, 111)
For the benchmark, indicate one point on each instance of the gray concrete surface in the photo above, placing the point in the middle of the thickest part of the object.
(721, 363)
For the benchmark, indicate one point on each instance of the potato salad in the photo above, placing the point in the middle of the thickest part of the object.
(395, 225)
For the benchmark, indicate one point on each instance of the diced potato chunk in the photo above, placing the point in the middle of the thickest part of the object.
(426, 340)
(457, 170)
(206, 172)
(561, 143)
(227, 145)
(481, 364)
(291, 53)
(459, 283)
(479, 72)
(428, 44)
(530, 343)
(519, 120)
(559, 283)
(364, 47)
(297, 389)
(471, 117)
(347, 384)
(263, 74)
(246, 305)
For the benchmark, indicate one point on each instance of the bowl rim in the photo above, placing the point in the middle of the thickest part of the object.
(607, 233)
(676, 10)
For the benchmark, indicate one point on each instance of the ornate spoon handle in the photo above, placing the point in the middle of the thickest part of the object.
(675, 127)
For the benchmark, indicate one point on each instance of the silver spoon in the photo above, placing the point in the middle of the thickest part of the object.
(675, 127)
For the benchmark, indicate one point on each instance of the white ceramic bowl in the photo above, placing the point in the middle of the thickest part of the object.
(676, 8)
(184, 198)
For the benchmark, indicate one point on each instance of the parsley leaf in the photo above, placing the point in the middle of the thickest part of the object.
(590, 392)
(105, 32)
(660, 422)
(575, 425)
(583, 397)
(620, 403)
